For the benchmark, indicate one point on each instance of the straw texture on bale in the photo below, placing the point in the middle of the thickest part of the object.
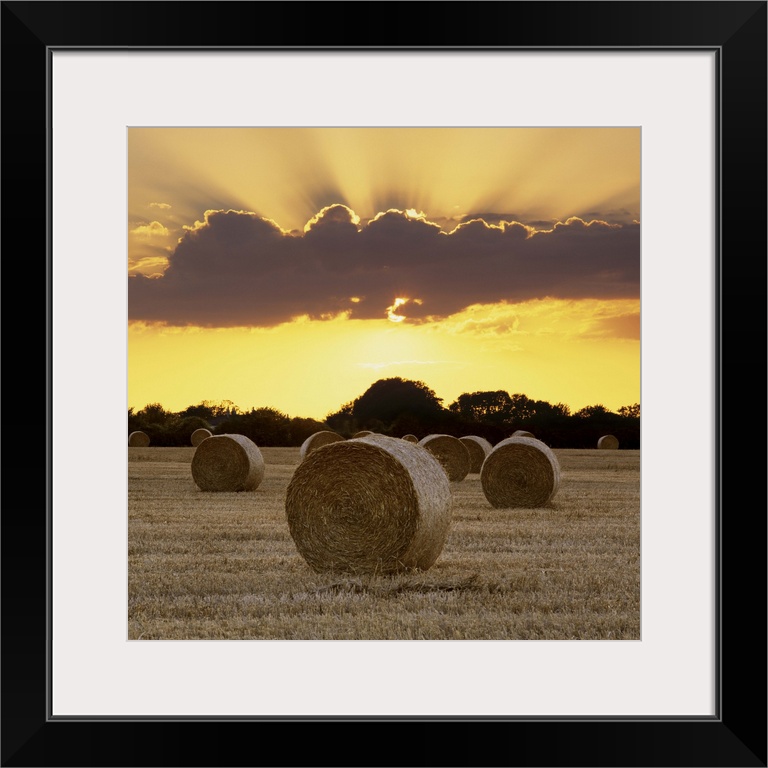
(373, 504)
(608, 442)
(362, 433)
(199, 435)
(450, 452)
(138, 439)
(227, 463)
(522, 433)
(478, 448)
(315, 441)
(520, 472)
(411, 438)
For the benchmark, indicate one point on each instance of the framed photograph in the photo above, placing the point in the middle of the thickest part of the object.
(98, 94)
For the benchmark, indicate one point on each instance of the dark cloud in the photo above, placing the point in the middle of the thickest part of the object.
(238, 269)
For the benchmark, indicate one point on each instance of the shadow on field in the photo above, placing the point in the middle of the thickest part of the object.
(403, 586)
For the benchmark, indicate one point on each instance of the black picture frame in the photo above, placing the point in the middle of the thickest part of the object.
(736, 736)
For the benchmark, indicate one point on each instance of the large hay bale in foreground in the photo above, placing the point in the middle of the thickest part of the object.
(410, 438)
(373, 504)
(227, 463)
(450, 452)
(520, 472)
(199, 435)
(138, 439)
(608, 443)
(478, 448)
(315, 441)
(522, 433)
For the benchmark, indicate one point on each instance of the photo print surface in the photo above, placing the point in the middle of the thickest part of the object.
(384, 383)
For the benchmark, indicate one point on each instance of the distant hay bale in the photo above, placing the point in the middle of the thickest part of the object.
(227, 463)
(478, 448)
(362, 433)
(138, 439)
(199, 435)
(374, 504)
(520, 472)
(411, 438)
(315, 441)
(608, 442)
(522, 433)
(450, 452)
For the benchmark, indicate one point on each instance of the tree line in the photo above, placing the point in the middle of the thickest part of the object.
(397, 407)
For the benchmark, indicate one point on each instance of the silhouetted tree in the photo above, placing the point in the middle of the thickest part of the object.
(265, 426)
(543, 409)
(342, 421)
(212, 411)
(153, 414)
(386, 399)
(592, 411)
(301, 429)
(186, 425)
(135, 424)
(521, 409)
(202, 410)
(491, 407)
(396, 407)
(408, 423)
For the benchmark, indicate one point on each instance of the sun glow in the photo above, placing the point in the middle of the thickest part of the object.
(531, 347)
(391, 311)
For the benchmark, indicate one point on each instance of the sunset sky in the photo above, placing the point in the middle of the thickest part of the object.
(293, 267)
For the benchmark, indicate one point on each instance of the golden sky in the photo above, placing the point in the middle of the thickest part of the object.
(293, 267)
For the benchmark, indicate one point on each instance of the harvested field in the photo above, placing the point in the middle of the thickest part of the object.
(224, 565)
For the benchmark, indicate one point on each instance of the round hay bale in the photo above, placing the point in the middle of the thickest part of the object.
(522, 433)
(227, 463)
(315, 441)
(138, 439)
(411, 438)
(608, 443)
(373, 504)
(362, 433)
(478, 448)
(199, 435)
(520, 472)
(450, 452)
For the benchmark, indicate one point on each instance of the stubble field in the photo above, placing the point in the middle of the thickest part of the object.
(223, 566)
